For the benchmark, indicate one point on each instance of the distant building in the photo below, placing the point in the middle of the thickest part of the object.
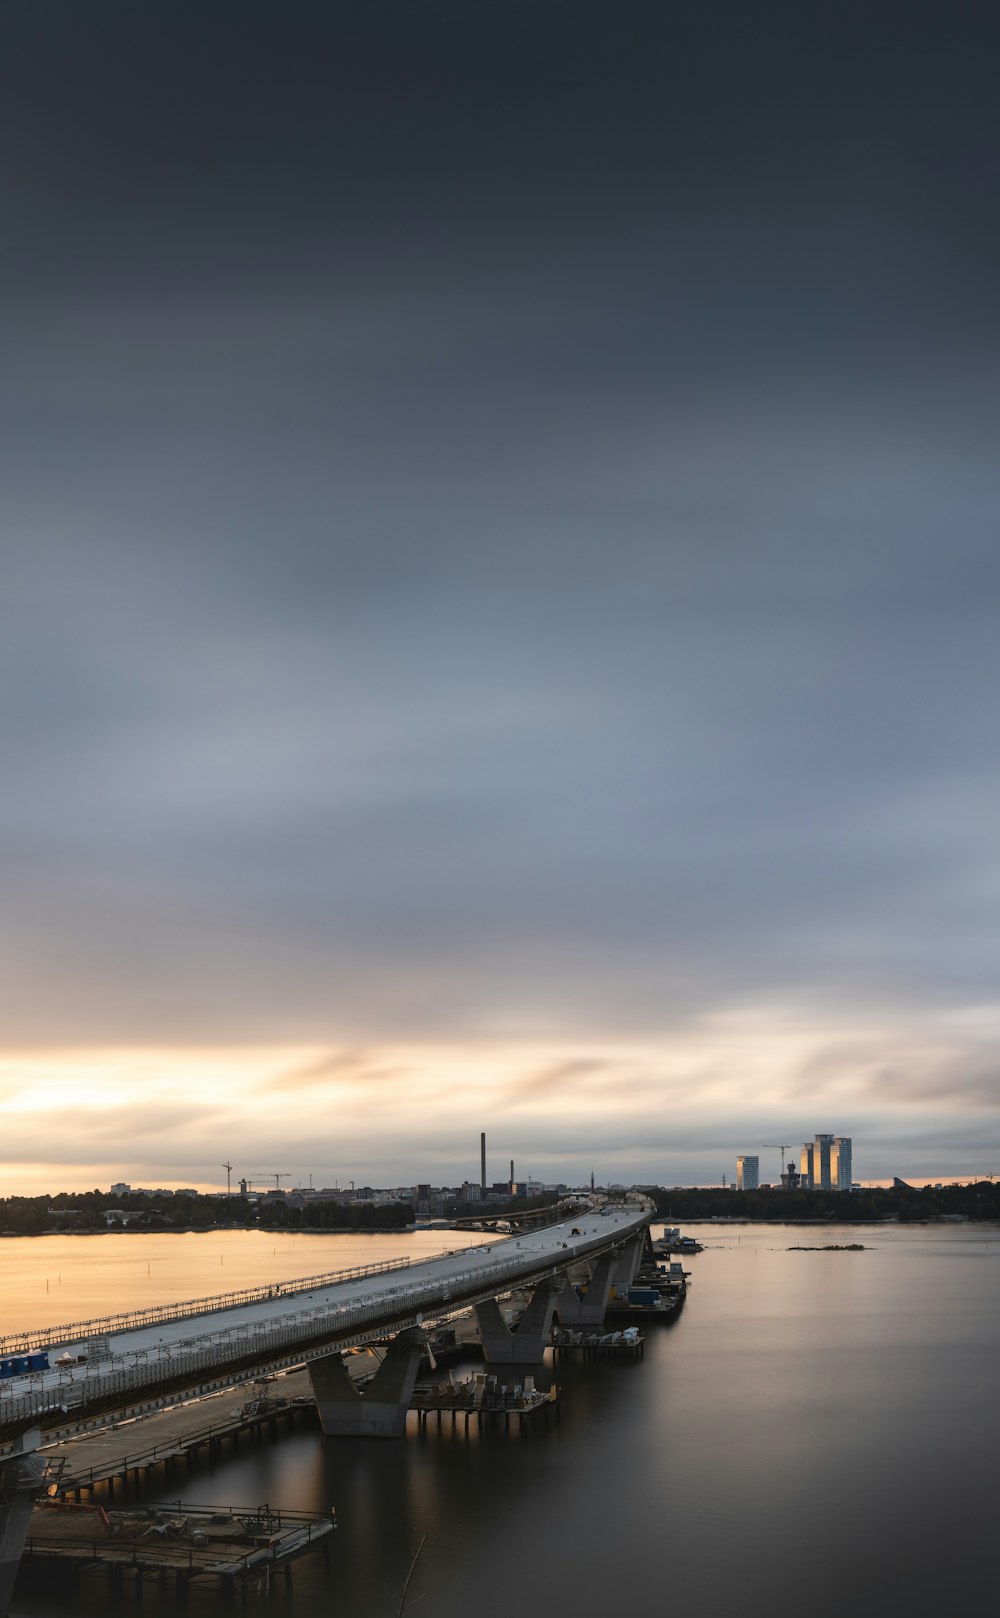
(747, 1173)
(120, 1189)
(826, 1163)
(840, 1163)
(821, 1162)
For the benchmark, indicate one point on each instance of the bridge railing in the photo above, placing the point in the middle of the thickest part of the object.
(79, 1331)
(257, 1343)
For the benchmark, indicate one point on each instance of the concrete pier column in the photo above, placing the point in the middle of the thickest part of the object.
(526, 1344)
(22, 1478)
(629, 1258)
(377, 1411)
(588, 1310)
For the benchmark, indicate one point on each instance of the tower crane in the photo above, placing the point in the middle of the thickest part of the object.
(781, 1147)
(229, 1178)
(270, 1174)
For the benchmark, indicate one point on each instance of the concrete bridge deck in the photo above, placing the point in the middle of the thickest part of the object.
(155, 1360)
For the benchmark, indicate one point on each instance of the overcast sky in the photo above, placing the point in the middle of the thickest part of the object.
(500, 604)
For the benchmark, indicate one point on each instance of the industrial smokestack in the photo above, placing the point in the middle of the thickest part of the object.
(482, 1154)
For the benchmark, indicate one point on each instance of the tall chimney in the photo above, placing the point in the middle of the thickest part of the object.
(482, 1154)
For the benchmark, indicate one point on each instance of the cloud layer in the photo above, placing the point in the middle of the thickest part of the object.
(500, 575)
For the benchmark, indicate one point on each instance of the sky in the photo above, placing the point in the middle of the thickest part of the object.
(500, 592)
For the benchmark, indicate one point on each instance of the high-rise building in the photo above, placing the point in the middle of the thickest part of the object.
(747, 1173)
(840, 1163)
(821, 1162)
(826, 1163)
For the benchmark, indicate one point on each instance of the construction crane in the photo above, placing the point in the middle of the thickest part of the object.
(781, 1147)
(269, 1174)
(229, 1178)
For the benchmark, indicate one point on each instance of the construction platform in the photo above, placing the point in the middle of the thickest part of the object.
(238, 1550)
(484, 1400)
(166, 1437)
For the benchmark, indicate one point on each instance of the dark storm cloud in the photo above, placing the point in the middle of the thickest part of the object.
(500, 512)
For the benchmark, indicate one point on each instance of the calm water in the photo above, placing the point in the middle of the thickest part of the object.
(817, 1429)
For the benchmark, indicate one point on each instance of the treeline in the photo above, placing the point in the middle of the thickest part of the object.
(85, 1212)
(978, 1201)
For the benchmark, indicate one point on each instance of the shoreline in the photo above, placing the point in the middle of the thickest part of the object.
(217, 1230)
(721, 1222)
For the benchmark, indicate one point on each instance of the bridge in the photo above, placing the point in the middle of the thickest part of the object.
(120, 1367)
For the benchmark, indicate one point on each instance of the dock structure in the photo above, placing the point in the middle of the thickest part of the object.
(239, 1550)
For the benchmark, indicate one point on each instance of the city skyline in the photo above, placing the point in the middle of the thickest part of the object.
(500, 591)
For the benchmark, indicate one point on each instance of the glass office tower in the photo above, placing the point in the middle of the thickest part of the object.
(747, 1173)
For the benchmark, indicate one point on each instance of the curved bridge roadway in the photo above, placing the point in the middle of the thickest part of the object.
(135, 1363)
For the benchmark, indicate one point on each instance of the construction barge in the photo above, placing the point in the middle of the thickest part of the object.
(600, 1345)
(238, 1550)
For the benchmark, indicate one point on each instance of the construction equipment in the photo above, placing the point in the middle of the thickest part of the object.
(782, 1148)
(229, 1178)
(269, 1174)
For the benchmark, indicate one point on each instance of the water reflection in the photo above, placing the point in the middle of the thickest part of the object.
(815, 1430)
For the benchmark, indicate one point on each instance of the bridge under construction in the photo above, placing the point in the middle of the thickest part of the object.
(120, 1367)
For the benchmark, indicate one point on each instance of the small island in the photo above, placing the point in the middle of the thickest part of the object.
(831, 1247)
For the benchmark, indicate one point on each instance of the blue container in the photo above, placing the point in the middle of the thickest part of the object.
(19, 1364)
(39, 1361)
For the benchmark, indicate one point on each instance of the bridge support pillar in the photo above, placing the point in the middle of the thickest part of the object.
(377, 1411)
(629, 1259)
(526, 1344)
(574, 1311)
(22, 1477)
